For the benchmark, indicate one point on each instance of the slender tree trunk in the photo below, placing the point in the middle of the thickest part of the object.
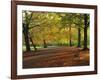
(45, 44)
(70, 36)
(79, 37)
(33, 44)
(26, 36)
(85, 31)
(85, 38)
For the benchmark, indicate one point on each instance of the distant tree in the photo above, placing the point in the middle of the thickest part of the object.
(67, 21)
(79, 22)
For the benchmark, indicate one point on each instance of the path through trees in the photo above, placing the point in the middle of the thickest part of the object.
(56, 57)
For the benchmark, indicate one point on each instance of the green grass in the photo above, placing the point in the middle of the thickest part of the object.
(54, 45)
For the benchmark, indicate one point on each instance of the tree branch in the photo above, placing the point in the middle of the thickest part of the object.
(36, 25)
(30, 18)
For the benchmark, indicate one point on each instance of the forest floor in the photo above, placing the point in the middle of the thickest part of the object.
(56, 57)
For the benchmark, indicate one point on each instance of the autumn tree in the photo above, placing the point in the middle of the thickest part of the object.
(86, 25)
(79, 22)
(26, 23)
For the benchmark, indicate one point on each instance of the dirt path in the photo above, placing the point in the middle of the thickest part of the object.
(56, 57)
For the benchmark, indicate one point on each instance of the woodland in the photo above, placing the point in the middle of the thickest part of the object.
(55, 39)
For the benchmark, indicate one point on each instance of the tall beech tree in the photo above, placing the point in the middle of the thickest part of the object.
(27, 20)
(26, 24)
(79, 26)
(86, 24)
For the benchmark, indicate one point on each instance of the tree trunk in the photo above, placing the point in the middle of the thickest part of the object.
(26, 36)
(85, 31)
(79, 37)
(26, 30)
(45, 44)
(70, 35)
(33, 44)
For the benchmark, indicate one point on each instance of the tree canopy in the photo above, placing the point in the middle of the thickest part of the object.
(49, 29)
